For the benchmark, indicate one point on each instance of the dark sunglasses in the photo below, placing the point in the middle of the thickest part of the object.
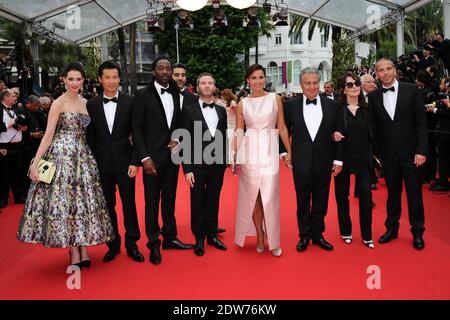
(350, 84)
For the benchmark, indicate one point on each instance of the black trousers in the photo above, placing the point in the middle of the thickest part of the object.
(312, 192)
(162, 186)
(341, 190)
(205, 198)
(395, 173)
(443, 146)
(110, 179)
(12, 175)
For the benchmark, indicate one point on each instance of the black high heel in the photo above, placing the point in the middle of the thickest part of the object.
(78, 264)
(84, 263)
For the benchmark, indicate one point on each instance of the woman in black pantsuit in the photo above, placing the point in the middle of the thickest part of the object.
(357, 136)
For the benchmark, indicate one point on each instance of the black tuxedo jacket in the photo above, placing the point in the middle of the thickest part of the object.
(193, 114)
(111, 150)
(151, 134)
(188, 98)
(308, 156)
(404, 136)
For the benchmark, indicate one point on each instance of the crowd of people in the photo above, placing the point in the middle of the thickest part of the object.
(98, 145)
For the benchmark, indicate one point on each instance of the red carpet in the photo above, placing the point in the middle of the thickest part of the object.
(35, 272)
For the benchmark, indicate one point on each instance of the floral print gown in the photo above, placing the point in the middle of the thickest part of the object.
(71, 210)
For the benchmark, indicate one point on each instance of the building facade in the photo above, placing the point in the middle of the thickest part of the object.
(284, 57)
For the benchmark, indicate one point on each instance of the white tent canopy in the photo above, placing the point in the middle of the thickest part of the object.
(79, 21)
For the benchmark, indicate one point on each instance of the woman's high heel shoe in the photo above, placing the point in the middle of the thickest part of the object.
(259, 249)
(78, 264)
(347, 239)
(277, 251)
(369, 244)
(85, 263)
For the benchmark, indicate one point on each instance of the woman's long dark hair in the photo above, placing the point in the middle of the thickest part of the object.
(343, 98)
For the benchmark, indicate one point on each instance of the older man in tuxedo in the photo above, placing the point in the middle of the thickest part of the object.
(400, 138)
(315, 156)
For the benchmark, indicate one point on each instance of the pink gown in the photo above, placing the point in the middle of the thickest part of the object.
(258, 156)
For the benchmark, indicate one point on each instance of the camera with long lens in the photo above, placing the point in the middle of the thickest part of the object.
(20, 120)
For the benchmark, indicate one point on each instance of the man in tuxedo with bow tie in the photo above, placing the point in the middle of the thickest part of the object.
(400, 138)
(179, 75)
(204, 162)
(108, 135)
(156, 114)
(315, 156)
(328, 91)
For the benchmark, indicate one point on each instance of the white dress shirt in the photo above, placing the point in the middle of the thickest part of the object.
(11, 135)
(211, 117)
(110, 111)
(313, 116)
(390, 100)
(167, 102)
(181, 99)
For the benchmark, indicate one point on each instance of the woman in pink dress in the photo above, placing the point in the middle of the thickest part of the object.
(256, 152)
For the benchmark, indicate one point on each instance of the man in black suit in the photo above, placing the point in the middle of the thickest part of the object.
(400, 137)
(204, 161)
(312, 119)
(179, 75)
(156, 114)
(186, 98)
(11, 139)
(108, 135)
(328, 91)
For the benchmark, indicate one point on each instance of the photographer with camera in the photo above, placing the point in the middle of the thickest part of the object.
(442, 48)
(11, 166)
(442, 137)
(422, 59)
(424, 83)
(33, 135)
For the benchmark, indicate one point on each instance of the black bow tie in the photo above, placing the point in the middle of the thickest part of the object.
(388, 89)
(205, 105)
(164, 90)
(106, 100)
(313, 101)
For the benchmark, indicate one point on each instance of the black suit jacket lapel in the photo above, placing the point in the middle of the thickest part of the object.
(399, 101)
(301, 116)
(199, 113)
(159, 103)
(102, 116)
(118, 114)
(323, 103)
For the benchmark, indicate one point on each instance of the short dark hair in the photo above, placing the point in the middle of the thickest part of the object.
(424, 77)
(179, 65)
(440, 34)
(73, 66)
(108, 65)
(32, 99)
(253, 68)
(155, 62)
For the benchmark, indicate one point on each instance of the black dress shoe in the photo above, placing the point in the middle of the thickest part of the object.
(176, 244)
(199, 248)
(213, 241)
(135, 255)
(220, 230)
(111, 255)
(418, 242)
(19, 200)
(155, 255)
(3, 203)
(302, 244)
(321, 242)
(388, 236)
